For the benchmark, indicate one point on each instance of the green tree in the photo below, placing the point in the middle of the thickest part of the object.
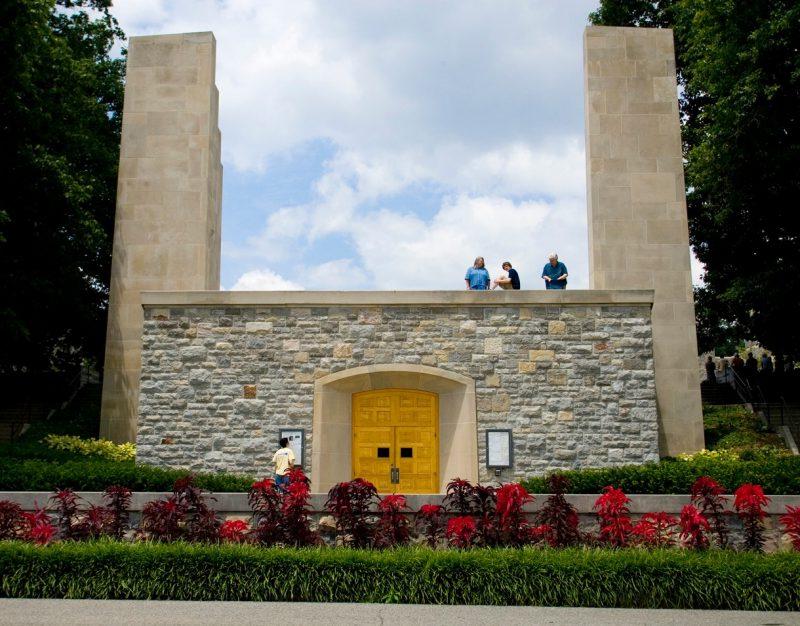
(739, 67)
(60, 103)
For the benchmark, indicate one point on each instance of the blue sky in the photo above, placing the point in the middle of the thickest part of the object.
(384, 145)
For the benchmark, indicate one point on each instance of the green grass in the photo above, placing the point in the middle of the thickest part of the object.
(575, 577)
(733, 427)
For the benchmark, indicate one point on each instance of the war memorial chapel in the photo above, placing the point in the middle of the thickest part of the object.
(407, 389)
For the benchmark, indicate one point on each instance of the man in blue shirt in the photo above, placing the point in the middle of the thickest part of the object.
(555, 273)
(477, 276)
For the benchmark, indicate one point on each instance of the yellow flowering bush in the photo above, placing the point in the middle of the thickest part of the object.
(725, 455)
(92, 447)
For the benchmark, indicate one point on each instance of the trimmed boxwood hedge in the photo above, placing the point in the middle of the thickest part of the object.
(575, 577)
(777, 475)
(97, 474)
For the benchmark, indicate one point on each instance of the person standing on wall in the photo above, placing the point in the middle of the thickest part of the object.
(477, 277)
(555, 273)
(284, 462)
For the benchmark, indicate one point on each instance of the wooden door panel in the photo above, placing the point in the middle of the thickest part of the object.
(373, 452)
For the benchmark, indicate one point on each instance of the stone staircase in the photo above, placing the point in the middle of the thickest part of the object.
(719, 393)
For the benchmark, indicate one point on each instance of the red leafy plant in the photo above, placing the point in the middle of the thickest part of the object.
(461, 531)
(558, 519)
(614, 516)
(708, 496)
(234, 531)
(295, 517)
(66, 505)
(393, 525)
(265, 501)
(162, 520)
(430, 522)
(118, 502)
(38, 527)
(791, 525)
(350, 505)
(749, 501)
(694, 528)
(464, 498)
(183, 515)
(656, 530)
(12, 522)
(511, 527)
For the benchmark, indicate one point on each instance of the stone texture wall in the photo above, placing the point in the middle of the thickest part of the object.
(574, 382)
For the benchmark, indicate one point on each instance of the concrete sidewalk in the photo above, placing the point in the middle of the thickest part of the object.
(91, 612)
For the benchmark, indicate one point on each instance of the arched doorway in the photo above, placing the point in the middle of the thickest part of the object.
(332, 429)
(396, 439)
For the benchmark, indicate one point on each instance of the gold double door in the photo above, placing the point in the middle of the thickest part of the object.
(396, 440)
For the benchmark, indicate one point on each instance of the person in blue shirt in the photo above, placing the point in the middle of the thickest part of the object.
(477, 276)
(555, 273)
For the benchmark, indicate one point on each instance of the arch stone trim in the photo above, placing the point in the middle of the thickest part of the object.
(331, 445)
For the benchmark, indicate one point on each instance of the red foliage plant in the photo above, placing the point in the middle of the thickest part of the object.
(558, 519)
(393, 526)
(234, 531)
(461, 531)
(201, 521)
(512, 528)
(460, 497)
(38, 527)
(694, 528)
(614, 516)
(12, 522)
(118, 501)
(656, 530)
(430, 519)
(708, 496)
(66, 503)
(791, 525)
(350, 503)
(163, 520)
(265, 501)
(93, 523)
(464, 498)
(295, 513)
(749, 501)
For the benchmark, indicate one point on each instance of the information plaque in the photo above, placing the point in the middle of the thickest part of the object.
(499, 450)
(296, 437)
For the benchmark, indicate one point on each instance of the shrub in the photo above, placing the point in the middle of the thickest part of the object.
(393, 526)
(102, 448)
(776, 474)
(350, 503)
(749, 502)
(202, 523)
(93, 523)
(162, 520)
(12, 522)
(295, 513)
(118, 501)
(464, 498)
(576, 577)
(558, 519)
(708, 496)
(66, 503)
(656, 530)
(234, 531)
(38, 527)
(512, 527)
(430, 522)
(265, 501)
(791, 525)
(461, 531)
(614, 516)
(694, 528)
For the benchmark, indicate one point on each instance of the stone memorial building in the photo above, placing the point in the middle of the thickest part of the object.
(408, 388)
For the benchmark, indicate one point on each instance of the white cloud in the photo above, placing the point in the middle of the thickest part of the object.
(264, 280)
(480, 101)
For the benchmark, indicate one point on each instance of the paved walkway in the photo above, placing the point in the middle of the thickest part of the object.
(91, 612)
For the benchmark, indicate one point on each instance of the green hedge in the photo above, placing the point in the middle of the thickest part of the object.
(97, 474)
(777, 475)
(601, 578)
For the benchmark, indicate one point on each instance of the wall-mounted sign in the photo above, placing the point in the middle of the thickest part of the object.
(296, 437)
(499, 448)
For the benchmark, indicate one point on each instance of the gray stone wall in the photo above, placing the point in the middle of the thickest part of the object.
(575, 383)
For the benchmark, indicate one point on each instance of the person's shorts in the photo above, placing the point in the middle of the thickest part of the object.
(550, 285)
(282, 482)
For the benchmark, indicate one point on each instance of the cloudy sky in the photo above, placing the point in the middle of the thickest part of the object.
(384, 145)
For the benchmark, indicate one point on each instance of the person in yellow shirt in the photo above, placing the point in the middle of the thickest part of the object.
(284, 462)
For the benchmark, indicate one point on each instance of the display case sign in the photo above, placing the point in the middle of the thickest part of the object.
(499, 449)
(296, 437)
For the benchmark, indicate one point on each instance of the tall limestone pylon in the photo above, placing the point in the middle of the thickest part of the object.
(167, 228)
(638, 230)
